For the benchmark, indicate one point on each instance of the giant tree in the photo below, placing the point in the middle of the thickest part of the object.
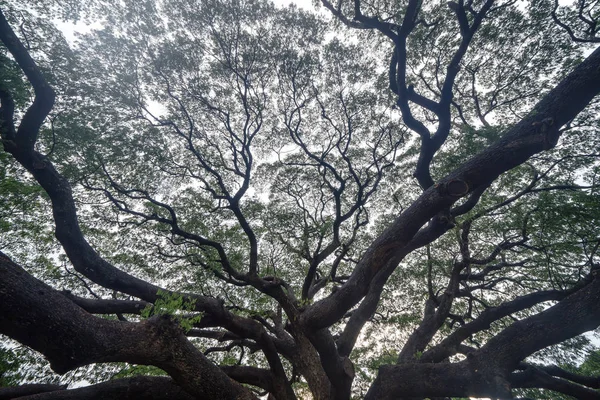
(379, 200)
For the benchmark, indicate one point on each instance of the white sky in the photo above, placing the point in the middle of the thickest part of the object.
(69, 29)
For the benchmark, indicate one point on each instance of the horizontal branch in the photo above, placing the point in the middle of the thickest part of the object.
(534, 377)
(138, 387)
(486, 372)
(40, 317)
(12, 392)
(259, 377)
(441, 380)
(107, 306)
(589, 381)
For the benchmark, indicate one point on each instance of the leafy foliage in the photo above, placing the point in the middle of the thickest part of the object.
(9, 367)
(171, 304)
(280, 184)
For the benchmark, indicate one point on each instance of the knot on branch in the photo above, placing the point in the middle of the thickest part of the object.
(454, 187)
(595, 271)
(549, 131)
(165, 326)
(40, 164)
(443, 221)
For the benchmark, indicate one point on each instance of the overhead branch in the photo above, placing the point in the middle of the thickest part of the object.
(107, 306)
(244, 141)
(7, 113)
(387, 28)
(12, 392)
(89, 263)
(398, 67)
(137, 387)
(537, 132)
(430, 147)
(34, 117)
(449, 346)
(338, 368)
(338, 13)
(533, 377)
(42, 318)
(365, 311)
(593, 25)
(433, 319)
(487, 371)
(259, 377)
(589, 381)
(570, 317)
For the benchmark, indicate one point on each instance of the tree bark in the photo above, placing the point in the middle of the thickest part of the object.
(138, 387)
(486, 372)
(42, 318)
(12, 392)
(538, 131)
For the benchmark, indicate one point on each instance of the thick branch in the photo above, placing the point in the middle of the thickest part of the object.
(429, 147)
(436, 228)
(138, 387)
(485, 373)
(105, 306)
(533, 377)
(45, 320)
(537, 132)
(88, 262)
(589, 381)
(442, 380)
(12, 392)
(254, 376)
(449, 346)
(574, 315)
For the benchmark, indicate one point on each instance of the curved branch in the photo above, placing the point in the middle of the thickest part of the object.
(567, 28)
(534, 377)
(486, 372)
(34, 117)
(449, 346)
(537, 132)
(589, 381)
(70, 337)
(88, 262)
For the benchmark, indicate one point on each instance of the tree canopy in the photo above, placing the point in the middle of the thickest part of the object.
(232, 199)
